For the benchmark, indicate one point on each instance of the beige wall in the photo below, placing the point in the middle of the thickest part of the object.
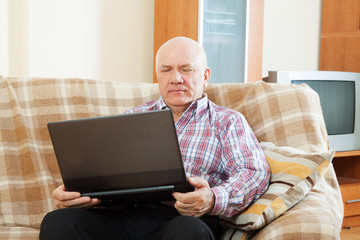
(97, 39)
(4, 62)
(113, 39)
(292, 31)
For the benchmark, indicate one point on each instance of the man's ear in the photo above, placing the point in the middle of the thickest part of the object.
(207, 75)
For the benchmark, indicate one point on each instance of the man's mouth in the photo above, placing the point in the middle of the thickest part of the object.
(177, 90)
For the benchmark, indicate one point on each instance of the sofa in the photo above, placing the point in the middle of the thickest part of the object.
(303, 200)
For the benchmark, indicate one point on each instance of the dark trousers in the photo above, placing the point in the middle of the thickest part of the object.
(145, 222)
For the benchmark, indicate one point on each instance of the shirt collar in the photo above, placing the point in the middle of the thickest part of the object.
(162, 104)
(199, 105)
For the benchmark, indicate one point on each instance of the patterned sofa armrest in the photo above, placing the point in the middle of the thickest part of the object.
(289, 115)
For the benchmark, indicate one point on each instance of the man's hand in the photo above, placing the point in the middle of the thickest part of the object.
(64, 199)
(198, 202)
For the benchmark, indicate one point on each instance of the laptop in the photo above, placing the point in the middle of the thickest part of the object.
(128, 157)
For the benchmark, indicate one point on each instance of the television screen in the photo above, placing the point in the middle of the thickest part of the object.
(339, 94)
(337, 100)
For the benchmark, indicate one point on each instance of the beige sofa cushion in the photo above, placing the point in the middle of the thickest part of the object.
(293, 174)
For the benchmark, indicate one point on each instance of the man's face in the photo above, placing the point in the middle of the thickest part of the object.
(182, 76)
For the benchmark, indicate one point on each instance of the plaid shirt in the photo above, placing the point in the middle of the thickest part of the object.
(217, 144)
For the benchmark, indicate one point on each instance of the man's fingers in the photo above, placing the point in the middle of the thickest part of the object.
(82, 202)
(198, 202)
(185, 197)
(64, 199)
(60, 194)
(189, 209)
(196, 206)
(85, 203)
(189, 203)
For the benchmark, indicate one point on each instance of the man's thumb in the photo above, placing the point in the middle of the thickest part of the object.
(198, 182)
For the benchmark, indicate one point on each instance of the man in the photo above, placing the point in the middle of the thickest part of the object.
(221, 156)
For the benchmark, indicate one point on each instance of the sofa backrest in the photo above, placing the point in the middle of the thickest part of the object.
(285, 115)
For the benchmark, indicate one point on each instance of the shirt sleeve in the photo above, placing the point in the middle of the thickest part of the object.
(246, 168)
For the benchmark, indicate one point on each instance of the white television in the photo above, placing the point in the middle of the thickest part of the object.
(339, 94)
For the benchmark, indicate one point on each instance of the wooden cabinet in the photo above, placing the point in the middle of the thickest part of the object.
(340, 36)
(347, 168)
(350, 190)
(181, 18)
(340, 51)
(340, 16)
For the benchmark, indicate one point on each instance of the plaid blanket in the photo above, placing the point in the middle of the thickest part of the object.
(282, 114)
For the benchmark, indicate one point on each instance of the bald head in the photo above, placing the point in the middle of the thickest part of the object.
(183, 47)
(182, 73)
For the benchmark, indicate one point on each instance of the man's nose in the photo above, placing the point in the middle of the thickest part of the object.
(177, 78)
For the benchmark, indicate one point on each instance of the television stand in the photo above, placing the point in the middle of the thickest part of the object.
(347, 168)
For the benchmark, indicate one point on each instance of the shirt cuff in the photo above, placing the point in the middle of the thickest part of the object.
(221, 200)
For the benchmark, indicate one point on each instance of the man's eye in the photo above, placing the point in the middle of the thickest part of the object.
(188, 69)
(165, 70)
